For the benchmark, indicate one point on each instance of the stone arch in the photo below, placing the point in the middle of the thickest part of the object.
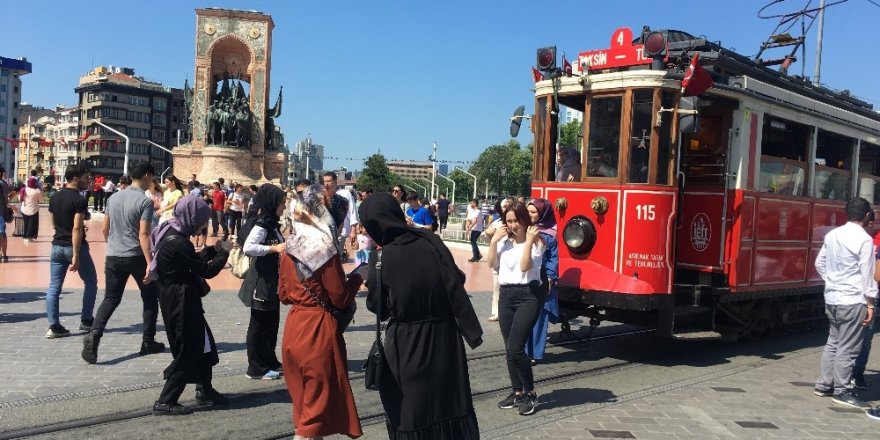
(232, 54)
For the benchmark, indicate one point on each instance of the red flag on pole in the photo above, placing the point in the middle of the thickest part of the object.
(566, 66)
(537, 75)
(696, 79)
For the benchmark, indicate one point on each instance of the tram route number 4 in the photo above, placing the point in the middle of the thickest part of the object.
(645, 212)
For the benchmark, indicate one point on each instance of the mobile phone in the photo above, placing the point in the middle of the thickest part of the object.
(361, 270)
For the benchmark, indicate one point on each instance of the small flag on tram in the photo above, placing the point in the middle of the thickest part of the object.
(566, 66)
(537, 75)
(696, 79)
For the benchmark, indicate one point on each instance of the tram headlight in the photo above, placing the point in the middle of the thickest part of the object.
(579, 235)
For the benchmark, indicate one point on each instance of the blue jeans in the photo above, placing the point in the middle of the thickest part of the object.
(59, 261)
(475, 235)
(862, 360)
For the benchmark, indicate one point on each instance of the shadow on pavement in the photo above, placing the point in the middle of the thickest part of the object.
(574, 397)
(228, 347)
(24, 297)
(250, 400)
(9, 318)
(122, 359)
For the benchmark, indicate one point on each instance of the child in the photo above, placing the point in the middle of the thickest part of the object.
(365, 246)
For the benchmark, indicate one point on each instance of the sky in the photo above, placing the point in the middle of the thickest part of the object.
(395, 76)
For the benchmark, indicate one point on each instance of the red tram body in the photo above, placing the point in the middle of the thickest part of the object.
(715, 227)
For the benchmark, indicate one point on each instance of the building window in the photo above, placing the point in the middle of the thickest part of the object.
(159, 120)
(2, 87)
(15, 89)
(160, 103)
(158, 135)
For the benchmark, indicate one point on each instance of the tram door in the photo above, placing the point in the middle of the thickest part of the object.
(704, 154)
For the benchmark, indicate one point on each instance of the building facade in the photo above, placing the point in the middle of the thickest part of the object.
(48, 143)
(141, 109)
(305, 154)
(11, 71)
(567, 115)
(412, 169)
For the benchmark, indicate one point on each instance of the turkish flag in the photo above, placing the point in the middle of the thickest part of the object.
(696, 80)
(536, 75)
(566, 66)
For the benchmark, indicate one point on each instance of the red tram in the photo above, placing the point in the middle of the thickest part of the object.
(701, 212)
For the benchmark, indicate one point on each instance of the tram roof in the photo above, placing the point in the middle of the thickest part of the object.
(724, 63)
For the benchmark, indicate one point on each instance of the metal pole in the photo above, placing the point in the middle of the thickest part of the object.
(424, 189)
(487, 189)
(469, 174)
(451, 199)
(816, 74)
(433, 171)
(165, 149)
(27, 158)
(127, 141)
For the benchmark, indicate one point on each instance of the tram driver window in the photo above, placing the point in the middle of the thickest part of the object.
(783, 157)
(640, 135)
(568, 165)
(604, 136)
(833, 165)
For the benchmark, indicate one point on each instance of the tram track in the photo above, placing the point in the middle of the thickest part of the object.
(372, 418)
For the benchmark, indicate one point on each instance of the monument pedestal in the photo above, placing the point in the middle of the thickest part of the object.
(232, 164)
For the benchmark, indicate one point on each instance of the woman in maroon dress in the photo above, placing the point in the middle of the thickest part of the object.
(313, 349)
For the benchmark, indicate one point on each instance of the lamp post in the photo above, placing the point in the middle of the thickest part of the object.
(424, 189)
(487, 189)
(501, 181)
(125, 160)
(451, 199)
(162, 176)
(469, 174)
(433, 170)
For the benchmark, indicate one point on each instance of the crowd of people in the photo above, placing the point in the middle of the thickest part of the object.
(296, 240)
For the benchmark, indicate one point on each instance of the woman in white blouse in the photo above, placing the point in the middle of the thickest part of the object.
(516, 252)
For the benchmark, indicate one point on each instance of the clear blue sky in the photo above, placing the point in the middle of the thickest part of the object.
(398, 75)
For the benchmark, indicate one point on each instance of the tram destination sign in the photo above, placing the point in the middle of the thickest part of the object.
(621, 53)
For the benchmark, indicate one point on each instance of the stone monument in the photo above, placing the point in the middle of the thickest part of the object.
(232, 124)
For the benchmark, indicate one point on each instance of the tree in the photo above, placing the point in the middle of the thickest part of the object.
(376, 174)
(508, 168)
(464, 186)
(571, 134)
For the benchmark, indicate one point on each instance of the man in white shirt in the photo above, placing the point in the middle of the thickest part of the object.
(846, 263)
(350, 220)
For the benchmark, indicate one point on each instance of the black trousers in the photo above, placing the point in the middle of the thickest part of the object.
(518, 307)
(116, 271)
(175, 383)
(98, 200)
(31, 225)
(441, 220)
(262, 336)
(475, 235)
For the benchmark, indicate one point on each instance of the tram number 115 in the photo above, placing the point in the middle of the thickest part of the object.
(645, 212)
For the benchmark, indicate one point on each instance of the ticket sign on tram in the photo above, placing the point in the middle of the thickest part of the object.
(621, 53)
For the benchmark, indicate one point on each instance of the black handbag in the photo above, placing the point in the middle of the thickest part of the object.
(375, 363)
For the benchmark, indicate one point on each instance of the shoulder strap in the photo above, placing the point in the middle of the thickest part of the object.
(379, 287)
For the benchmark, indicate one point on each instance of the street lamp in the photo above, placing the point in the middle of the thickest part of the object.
(162, 176)
(424, 189)
(501, 181)
(125, 160)
(469, 174)
(451, 199)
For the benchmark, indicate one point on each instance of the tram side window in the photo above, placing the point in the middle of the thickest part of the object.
(833, 165)
(703, 152)
(538, 121)
(869, 172)
(665, 140)
(640, 135)
(604, 136)
(783, 157)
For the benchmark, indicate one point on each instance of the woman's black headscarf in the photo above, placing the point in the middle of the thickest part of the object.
(267, 199)
(382, 218)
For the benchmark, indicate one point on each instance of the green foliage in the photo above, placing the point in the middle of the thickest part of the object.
(376, 174)
(464, 186)
(508, 168)
(571, 134)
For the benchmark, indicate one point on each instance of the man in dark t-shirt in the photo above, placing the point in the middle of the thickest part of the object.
(70, 251)
(442, 211)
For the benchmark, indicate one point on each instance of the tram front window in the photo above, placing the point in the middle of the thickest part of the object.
(640, 135)
(604, 136)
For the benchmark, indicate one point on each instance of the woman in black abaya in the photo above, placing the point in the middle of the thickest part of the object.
(179, 273)
(428, 316)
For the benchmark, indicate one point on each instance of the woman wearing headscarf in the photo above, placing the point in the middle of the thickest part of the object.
(541, 214)
(179, 273)
(425, 389)
(30, 209)
(260, 237)
(313, 349)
